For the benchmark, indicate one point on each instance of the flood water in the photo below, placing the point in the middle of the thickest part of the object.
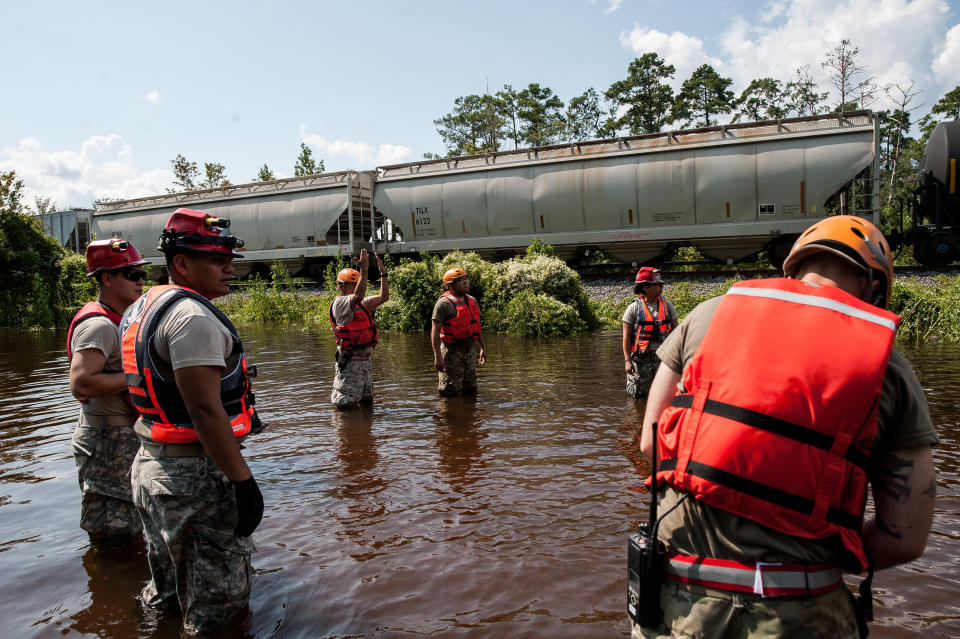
(500, 516)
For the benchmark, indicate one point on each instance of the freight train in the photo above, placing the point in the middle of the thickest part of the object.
(731, 191)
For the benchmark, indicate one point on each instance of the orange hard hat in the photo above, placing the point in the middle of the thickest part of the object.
(348, 275)
(111, 255)
(648, 275)
(453, 274)
(198, 232)
(855, 240)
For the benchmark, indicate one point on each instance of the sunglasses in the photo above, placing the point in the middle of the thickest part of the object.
(134, 274)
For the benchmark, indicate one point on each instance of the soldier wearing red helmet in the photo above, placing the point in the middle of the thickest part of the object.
(188, 378)
(777, 406)
(456, 336)
(104, 443)
(351, 317)
(646, 323)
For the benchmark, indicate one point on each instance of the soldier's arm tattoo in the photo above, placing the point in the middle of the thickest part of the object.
(894, 477)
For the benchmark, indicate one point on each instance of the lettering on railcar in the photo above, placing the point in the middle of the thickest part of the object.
(667, 216)
(768, 209)
(422, 216)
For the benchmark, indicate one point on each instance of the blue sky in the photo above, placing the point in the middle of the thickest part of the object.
(99, 97)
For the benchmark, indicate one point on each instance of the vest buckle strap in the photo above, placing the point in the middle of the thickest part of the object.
(764, 579)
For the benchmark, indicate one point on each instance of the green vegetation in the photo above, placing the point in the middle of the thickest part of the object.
(41, 284)
(928, 313)
(279, 301)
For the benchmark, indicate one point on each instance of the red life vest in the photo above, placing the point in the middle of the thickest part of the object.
(360, 332)
(158, 400)
(87, 311)
(648, 328)
(465, 327)
(775, 430)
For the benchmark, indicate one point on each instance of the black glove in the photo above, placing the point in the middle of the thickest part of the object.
(249, 506)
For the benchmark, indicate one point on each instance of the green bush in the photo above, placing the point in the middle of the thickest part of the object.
(280, 301)
(537, 315)
(927, 313)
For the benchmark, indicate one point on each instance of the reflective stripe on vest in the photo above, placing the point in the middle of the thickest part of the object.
(781, 408)
(465, 327)
(158, 400)
(648, 328)
(767, 580)
(360, 332)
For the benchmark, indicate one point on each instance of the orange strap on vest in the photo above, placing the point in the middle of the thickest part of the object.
(647, 328)
(158, 400)
(360, 332)
(760, 394)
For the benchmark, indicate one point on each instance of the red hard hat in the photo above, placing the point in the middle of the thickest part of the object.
(112, 255)
(199, 232)
(648, 275)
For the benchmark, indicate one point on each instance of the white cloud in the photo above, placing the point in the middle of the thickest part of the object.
(349, 154)
(684, 52)
(153, 97)
(613, 6)
(102, 168)
(947, 63)
(899, 41)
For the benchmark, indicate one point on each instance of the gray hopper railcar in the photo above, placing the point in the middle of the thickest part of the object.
(731, 191)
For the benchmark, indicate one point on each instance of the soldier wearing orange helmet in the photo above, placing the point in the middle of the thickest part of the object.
(104, 443)
(351, 317)
(775, 408)
(456, 336)
(646, 323)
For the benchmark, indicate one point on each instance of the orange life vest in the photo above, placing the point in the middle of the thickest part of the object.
(88, 311)
(648, 328)
(465, 327)
(158, 400)
(773, 429)
(360, 332)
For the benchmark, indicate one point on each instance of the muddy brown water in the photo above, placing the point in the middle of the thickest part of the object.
(505, 515)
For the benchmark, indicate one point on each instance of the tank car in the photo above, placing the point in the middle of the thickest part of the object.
(936, 200)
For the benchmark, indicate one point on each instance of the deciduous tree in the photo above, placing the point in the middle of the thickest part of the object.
(214, 176)
(802, 90)
(305, 164)
(584, 116)
(185, 174)
(265, 174)
(847, 75)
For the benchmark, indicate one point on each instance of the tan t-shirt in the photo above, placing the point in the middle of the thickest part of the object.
(103, 335)
(630, 317)
(701, 530)
(190, 335)
(444, 310)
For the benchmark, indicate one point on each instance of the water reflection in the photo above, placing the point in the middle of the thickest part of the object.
(459, 433)
(503, 514)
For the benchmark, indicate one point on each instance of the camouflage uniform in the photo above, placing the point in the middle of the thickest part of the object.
(715, 614)
(102, 453)
(461, 364)
(645, 364)
(189, 514)
(353, 383)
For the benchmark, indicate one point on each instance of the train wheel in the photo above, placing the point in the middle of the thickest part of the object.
(939, 249)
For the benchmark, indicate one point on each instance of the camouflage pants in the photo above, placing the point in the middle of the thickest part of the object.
(645, 366)
(689, 612)
(103, 454)
(461, 365)
(189, 512)
(353, 383)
